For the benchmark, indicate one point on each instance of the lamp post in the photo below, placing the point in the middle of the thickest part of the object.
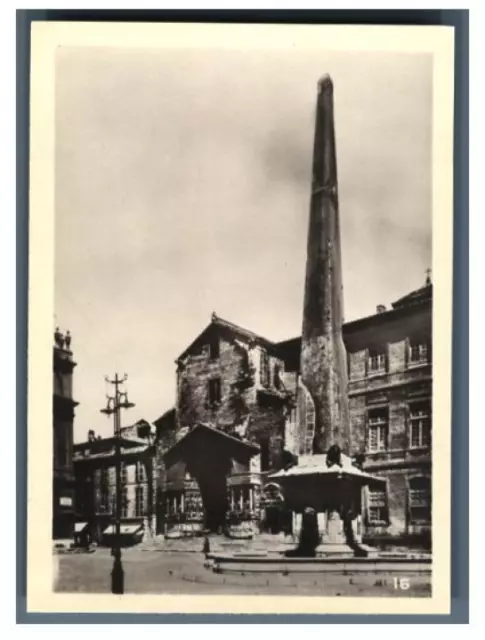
(113, 407)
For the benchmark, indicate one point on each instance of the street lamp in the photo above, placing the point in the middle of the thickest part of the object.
(113, 407)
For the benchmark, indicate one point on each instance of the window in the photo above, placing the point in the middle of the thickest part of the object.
(173, 503)
(377, 510)
(419, 425)
(420, 500)
(112, 475)
(214, 391)
(290, 441)
(277, 376)
(140, 472)
(418, 352)
(139, 501)
(376, 361)
(104, 505)
(264, 372)
(240, 499)
(214, 349)
(113, 503)
(124, 502)
(124, 474)
(107, 502)
(378, 426)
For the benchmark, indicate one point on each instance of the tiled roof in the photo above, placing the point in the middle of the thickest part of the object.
(245, 334)
(240, 330)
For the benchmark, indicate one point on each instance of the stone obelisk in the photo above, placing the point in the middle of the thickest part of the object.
(323, 356)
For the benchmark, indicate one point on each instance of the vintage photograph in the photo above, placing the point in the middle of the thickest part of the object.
(243, 322)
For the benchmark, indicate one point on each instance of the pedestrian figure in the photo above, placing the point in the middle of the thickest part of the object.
(206, 548)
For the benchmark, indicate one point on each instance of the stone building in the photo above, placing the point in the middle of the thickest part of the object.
(62, 422)
(390, 400)
(390, 394)
(232, 380)
(245, 385)
(95, 475)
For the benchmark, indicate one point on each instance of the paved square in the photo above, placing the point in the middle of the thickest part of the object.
(153, 572)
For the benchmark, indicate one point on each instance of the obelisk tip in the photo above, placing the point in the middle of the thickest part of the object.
(325, 82)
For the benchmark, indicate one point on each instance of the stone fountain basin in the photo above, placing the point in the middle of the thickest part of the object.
(262, 562)
(273, 556)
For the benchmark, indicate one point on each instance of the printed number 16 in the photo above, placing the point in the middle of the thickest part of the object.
(402, 583)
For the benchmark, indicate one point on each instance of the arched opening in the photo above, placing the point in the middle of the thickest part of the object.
(305, 419)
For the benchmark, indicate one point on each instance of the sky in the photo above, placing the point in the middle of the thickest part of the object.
(183, 187)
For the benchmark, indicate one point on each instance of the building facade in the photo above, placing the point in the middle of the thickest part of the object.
(95, 476)
(390, 396)
(63, 505)
(238, 382)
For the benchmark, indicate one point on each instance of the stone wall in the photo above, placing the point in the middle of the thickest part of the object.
(267, 425)
(251, 401)
(193, 402)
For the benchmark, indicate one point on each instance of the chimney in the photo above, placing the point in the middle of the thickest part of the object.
(323, 355)
(91, 435)
(380, 308)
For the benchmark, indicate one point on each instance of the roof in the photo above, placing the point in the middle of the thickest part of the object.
(316, 465)
(407, 304)
(105, 443)
(213, 441)
(423, 294)
(289, 350)
(166, 418)
(86, 454)
(217, 322)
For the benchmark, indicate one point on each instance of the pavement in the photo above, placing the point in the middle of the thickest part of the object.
(218, 544)
(175, 572)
